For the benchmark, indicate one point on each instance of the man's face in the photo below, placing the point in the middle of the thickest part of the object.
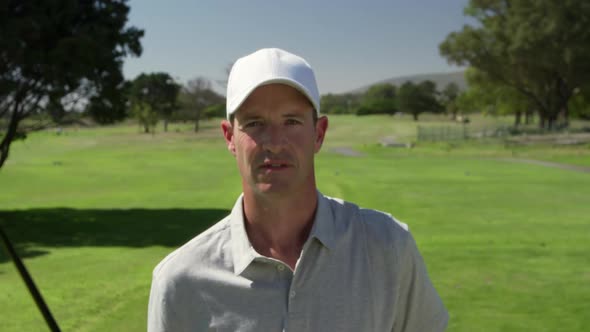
(274, 139)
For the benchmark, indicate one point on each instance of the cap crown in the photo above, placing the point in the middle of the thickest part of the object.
(266, 66)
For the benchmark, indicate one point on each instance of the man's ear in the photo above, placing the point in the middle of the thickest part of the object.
(228, 134)
(321, 127)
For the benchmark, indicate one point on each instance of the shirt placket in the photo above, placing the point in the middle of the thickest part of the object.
(299, 294)
(283, 275)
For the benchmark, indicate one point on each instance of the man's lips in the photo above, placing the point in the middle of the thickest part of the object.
(275, 165)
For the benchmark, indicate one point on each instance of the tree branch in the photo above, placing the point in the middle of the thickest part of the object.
(10, 134)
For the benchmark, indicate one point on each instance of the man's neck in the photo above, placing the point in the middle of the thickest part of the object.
(278, 226)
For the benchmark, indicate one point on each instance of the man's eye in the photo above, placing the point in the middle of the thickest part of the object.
(253, 124)
(292, 122)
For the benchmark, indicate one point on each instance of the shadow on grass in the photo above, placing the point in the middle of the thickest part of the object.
(30, 231)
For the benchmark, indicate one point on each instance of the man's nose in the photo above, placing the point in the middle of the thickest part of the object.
(274, 139)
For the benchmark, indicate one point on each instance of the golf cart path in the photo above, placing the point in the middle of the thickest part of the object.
(347, 151)
(569, 167)
(350, 152)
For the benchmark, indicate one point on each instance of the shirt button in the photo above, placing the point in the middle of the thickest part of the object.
(280, 267)
(292, 294)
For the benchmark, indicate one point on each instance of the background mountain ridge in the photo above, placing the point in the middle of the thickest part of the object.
(440, 79)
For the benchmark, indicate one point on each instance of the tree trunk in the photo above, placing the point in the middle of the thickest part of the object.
(551, 122)
(566, 116)
(197, 121)
(9, 135)
(542, 120)
(528, 117)
(517, 117)
(415, 115)
(165, 125)
(146, 128)
(564, 93)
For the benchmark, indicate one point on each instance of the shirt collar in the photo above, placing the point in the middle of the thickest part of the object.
(243, 253)
(323, 227)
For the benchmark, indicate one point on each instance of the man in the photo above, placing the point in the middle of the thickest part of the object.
(288, 258)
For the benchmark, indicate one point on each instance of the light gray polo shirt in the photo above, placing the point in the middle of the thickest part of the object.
(359, 270)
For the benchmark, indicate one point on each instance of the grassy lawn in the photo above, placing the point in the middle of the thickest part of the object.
(92, 211)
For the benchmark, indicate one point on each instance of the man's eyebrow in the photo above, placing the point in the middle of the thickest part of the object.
(293, 115)
(250, 116)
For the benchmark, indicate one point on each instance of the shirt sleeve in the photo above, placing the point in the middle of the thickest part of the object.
(158, 311)
(174, 307)
(419, 308)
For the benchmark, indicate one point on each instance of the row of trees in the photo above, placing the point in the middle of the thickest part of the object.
(412, 98)
(527, 56)
(156, 96)
(63, 59)
(60, 60)
(481, 96)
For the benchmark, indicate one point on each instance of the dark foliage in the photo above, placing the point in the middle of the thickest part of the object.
(56, 55)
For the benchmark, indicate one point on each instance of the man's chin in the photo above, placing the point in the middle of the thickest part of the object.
(274, 189)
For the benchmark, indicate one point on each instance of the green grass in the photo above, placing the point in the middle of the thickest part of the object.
(94, 210)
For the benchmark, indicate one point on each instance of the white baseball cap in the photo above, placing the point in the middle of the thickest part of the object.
(266, 66)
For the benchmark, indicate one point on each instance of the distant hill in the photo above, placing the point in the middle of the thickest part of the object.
(440, 79)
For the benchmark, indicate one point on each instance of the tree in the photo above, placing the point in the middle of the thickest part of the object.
(449, 98)
(379, 99)
(157, 90)
(54, 53)
(496, 98)
(197, 95)
(110, 105)
(540, 48)
(409, 99)
(418, 98)
(214, 111)
(146, 116)
(345, 103)
(430, 97)
(580, 103)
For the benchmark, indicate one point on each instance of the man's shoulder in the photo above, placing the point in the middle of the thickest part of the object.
(202, 250)
(377, 225)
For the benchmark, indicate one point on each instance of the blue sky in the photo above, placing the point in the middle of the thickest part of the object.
(348, 43)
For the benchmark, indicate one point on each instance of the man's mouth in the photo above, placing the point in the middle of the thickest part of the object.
(274, 165)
